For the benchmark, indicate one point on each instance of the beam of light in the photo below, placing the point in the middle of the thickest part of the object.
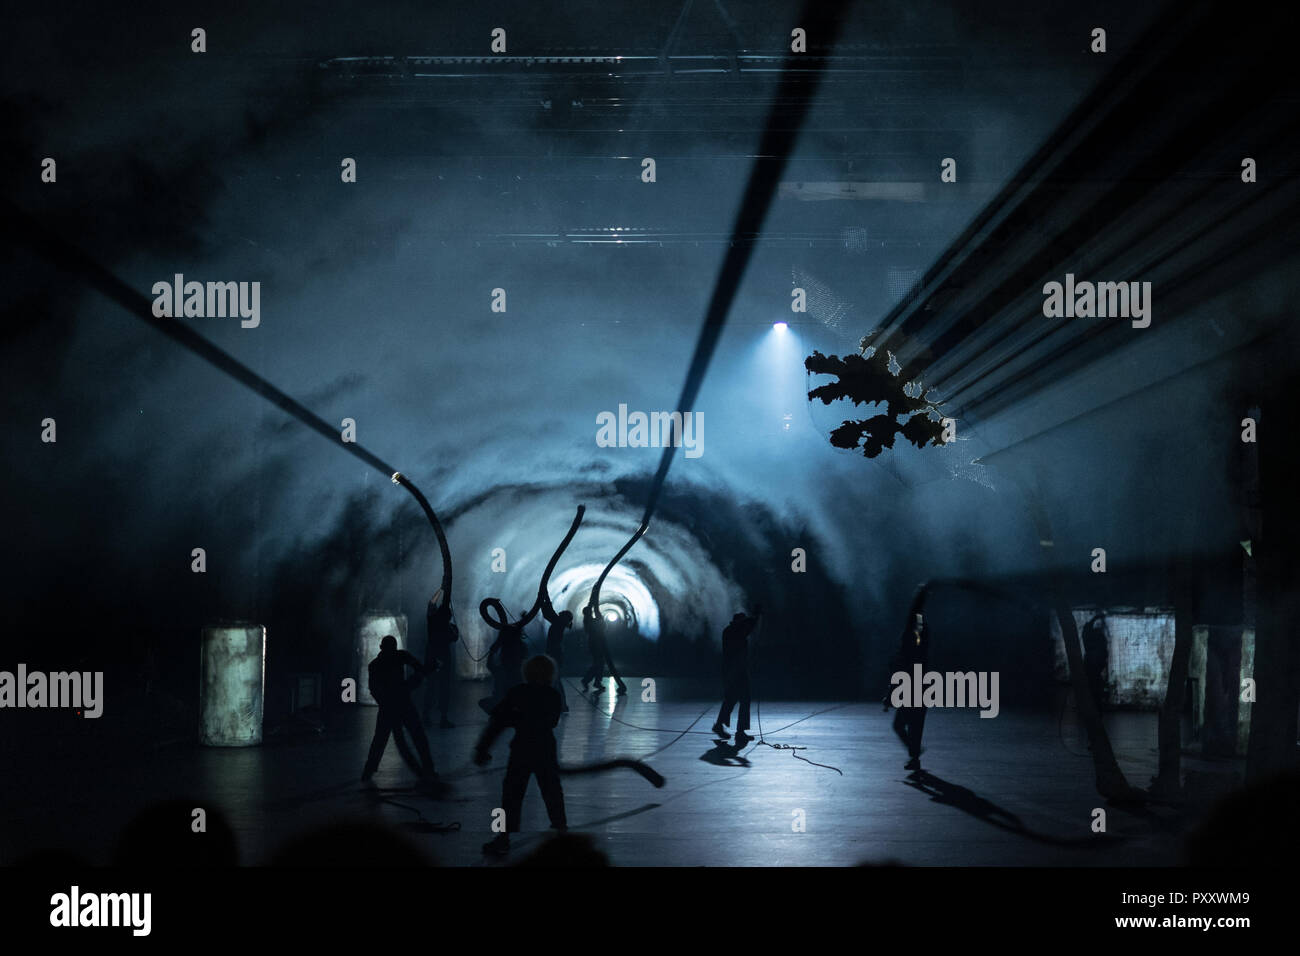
(776, 360)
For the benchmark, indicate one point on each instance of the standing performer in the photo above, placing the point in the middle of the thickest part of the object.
(443, 635)
(598, 647)
(506, 655)
(909, 722)
(555, 645)
(532, 709)
(735, 670)
(391, 690)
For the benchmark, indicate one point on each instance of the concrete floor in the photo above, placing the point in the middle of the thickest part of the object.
(1008, 791)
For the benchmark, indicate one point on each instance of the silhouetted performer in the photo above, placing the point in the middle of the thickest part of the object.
(443, 635)
(532, 709)
(505, 658)
(391, 690)
(593, 624)
(909, 722)
(1096, 657)
(555, 645)
(735, 675)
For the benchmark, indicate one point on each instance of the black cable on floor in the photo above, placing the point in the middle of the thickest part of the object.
(763, 743)
(432, 827)
(708, 733)
(758, 708)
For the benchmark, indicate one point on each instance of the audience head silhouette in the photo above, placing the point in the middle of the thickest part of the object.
(539, 670)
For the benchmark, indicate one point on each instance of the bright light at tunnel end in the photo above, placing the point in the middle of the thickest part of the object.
(625, 598)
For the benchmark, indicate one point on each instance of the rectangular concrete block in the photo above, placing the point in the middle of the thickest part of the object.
(232, 679)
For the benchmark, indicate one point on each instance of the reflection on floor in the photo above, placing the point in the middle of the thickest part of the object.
(1013, 790)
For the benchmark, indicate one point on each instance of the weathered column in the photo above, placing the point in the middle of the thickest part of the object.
(232, 677)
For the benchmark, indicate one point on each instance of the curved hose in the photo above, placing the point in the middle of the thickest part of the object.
(542, 596)
(594, 601)
(401, 479)
(503, 616)
(652, 776)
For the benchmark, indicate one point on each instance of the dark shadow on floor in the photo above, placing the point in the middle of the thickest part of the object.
(618, 816)
(351, 845)
(724, 754)
(966, 800)
(564, 851)
(433, 789)
(300, 800)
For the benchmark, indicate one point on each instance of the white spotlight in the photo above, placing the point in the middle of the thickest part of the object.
(780, 326)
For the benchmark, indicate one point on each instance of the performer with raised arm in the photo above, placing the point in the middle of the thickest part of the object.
(555, 644)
